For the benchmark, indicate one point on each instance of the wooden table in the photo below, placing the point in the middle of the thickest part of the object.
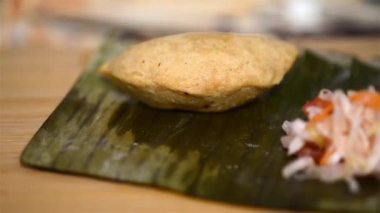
(32, 83)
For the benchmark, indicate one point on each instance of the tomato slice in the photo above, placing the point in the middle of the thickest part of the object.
(368, 99)
(325, 106)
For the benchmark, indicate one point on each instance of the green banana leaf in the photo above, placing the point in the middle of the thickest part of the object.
(234, 156)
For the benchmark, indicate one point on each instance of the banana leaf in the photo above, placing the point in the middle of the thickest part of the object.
(234, 156)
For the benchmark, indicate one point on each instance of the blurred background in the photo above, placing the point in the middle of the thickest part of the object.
(84, 23)
(45, 44)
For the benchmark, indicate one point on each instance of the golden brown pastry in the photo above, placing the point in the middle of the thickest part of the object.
(205, 72)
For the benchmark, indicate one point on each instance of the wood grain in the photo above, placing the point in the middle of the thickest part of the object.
(32, 83)
(367, 49)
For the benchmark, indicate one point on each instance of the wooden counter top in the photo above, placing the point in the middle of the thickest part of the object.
(32, 83)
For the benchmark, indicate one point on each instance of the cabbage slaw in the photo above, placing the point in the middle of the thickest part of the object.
(340, 140)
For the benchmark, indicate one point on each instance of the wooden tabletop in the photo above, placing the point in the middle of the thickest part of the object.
(32, 83)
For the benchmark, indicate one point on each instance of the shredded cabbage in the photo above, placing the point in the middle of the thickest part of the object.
(340, 140)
